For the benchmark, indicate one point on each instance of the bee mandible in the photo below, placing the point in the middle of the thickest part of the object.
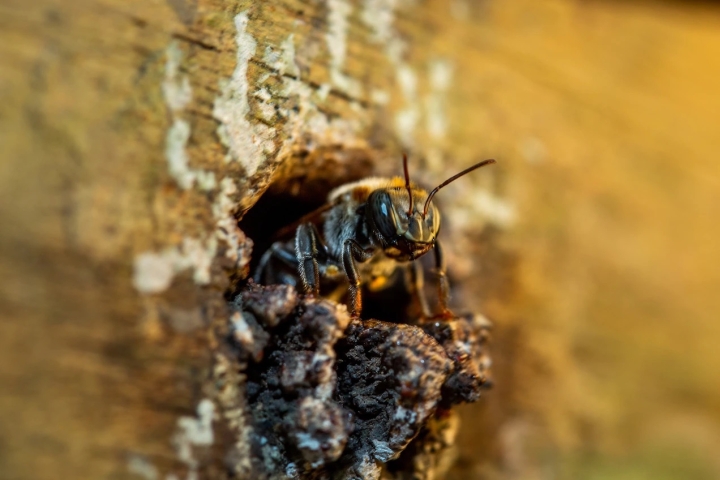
(370, 228)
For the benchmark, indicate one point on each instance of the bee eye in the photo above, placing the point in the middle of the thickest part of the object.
(383, 213)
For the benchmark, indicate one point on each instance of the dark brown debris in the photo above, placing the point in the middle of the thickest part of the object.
(335, 398)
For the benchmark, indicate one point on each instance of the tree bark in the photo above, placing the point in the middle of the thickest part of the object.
(136, 135)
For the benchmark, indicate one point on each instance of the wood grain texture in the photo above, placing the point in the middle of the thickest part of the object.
(592, 245)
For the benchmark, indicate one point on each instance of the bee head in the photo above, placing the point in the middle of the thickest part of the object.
(405, 234)
(405, 231)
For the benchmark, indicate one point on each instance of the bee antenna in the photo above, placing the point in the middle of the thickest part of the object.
(407, 183)
(452, 179)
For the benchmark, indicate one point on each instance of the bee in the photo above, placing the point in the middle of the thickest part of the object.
(370, 229)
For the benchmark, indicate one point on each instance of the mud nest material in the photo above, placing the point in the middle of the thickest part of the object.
(335, 398)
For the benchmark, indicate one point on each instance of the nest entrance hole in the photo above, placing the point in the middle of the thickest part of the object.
(300, 187)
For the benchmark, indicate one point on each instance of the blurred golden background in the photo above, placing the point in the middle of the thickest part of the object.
(610, 110)
(601, 273)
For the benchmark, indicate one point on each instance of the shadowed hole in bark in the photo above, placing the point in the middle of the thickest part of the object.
(279, 208)
(300, 188)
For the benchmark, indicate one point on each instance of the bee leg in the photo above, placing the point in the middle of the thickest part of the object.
(417, 284)
(353, 252)
(308, 248)
(443, 285)
(277, 265)
(263, 266)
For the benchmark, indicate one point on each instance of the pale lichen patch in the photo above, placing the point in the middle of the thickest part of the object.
(265, 106)
(440, 76)
(194, 431)
(176, 87)
(496, 209)
(178, 94)
(323, 92)
(481, 206)
(153, 272)
(380, 97)
(336, 39)
(248, 143)
(283, 59)
(379, 15)
(227, 229)
(406, 119)
(177, 157)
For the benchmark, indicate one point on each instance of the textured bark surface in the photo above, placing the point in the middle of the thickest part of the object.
(134, 134)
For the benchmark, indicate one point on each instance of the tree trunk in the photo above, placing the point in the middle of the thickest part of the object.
(136, 135)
